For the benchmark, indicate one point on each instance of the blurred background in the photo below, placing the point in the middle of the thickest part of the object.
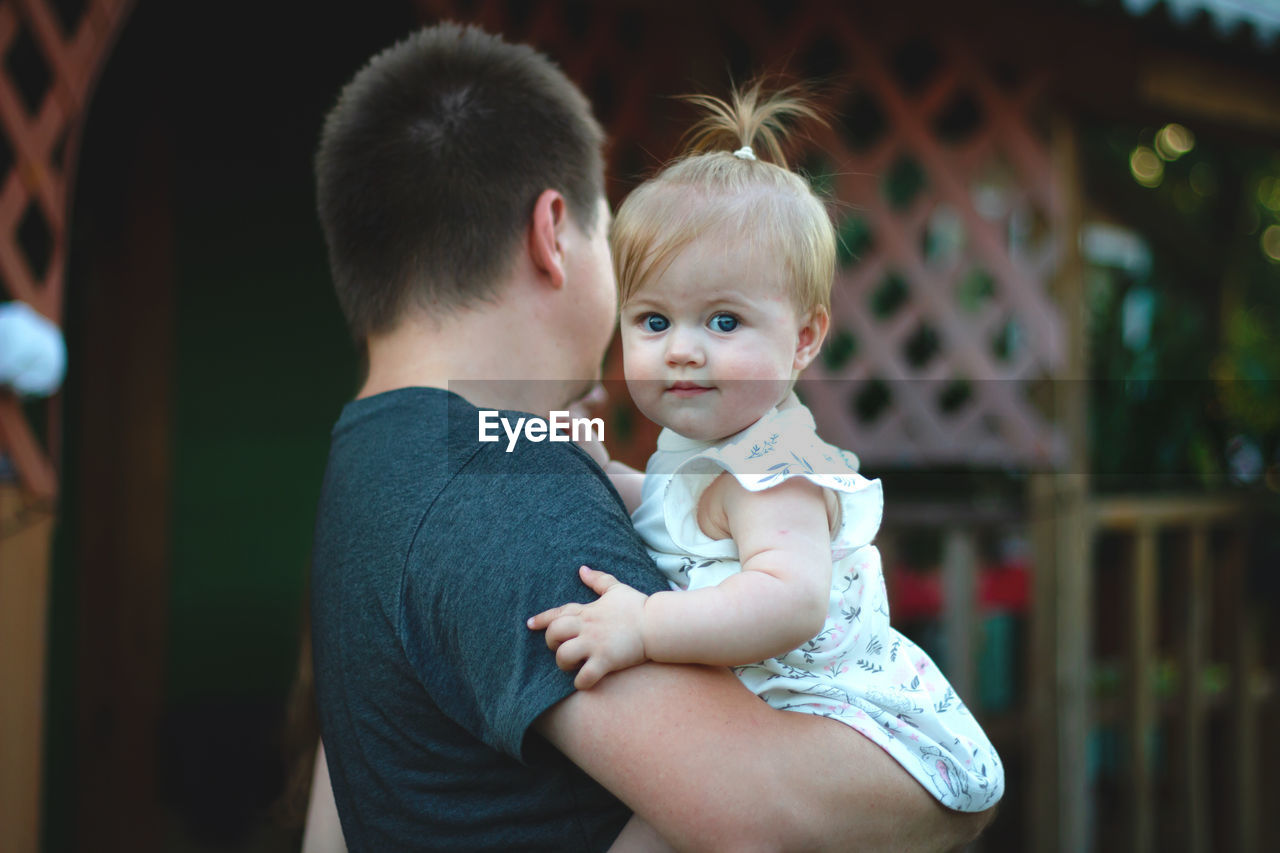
(1056, 338)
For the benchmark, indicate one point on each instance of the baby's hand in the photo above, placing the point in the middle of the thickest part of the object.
(603, 636)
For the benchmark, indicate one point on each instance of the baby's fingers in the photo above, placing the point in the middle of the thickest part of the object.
(546, 617)
(597, 581)
(562, 630)
(571, 654)
(591, 673)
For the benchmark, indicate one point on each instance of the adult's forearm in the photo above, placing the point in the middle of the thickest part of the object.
(639, 836)
(711, 767)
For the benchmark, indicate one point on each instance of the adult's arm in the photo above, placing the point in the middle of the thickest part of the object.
(323, 830)
(688, 748)
(711, 767)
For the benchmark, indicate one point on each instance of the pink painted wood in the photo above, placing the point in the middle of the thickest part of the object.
(39, 184)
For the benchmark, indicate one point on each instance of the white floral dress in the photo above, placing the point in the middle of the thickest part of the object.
(858, 670)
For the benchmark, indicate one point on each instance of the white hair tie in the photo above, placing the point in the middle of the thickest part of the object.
(745, 153)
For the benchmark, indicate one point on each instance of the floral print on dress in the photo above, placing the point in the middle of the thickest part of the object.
(857, 669)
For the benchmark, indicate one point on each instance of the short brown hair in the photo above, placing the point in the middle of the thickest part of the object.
(430, 163)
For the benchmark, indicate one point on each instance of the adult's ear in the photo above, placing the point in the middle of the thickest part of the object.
(812, 334)
(549, 217)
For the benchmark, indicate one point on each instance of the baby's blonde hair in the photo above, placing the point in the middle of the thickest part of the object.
(709, 187)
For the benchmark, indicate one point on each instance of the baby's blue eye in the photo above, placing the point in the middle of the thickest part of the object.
(656, 323)
(724, 322)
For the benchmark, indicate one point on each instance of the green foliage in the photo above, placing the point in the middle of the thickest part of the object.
(1247, 370)
(1184, 328)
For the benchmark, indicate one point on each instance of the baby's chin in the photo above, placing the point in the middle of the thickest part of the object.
(705, 429)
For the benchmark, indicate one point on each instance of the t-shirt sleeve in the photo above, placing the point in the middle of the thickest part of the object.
(502, 543)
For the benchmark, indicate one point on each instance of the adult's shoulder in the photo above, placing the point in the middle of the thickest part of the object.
(552, 472)
(502, 542)
(482, 436)
(544, 501)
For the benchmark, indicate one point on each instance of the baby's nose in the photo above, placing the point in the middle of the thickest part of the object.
(684, 347)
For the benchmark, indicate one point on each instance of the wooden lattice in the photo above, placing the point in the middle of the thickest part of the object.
(942, 189)
(52, 53)
(942, 322)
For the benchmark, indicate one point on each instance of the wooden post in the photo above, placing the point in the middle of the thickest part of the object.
(960, 586)
(25, 535)
(1141, 723)
(1195, 770)
(1042, 673)
(1074, 662)
(1244, 713)
(124, 477)
(1071, 539)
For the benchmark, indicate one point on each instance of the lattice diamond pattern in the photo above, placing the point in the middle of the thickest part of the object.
(943, 195)
(959, 232)
(45, 79)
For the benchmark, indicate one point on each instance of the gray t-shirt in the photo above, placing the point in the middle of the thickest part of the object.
(431, 550)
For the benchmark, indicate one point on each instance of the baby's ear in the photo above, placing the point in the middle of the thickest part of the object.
(811, 335)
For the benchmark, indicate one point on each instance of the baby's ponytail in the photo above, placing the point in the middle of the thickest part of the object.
(752, 121)
(733, 178)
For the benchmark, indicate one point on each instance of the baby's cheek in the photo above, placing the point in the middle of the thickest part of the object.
(638, 361)
(635, 371)
(645, 393)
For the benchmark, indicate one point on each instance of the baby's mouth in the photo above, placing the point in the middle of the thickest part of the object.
(687, 389)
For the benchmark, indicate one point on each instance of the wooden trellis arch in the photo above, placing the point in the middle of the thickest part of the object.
(942, 186)
(52, 53)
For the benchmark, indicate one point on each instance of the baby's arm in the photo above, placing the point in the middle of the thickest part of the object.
(777, 601)
(628, 481)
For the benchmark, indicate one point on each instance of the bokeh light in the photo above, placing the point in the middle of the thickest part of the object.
(1174, 140)
(1146, 167)
(1203, 180)
(1271, 242)
(1245, 462)
(1269, 193)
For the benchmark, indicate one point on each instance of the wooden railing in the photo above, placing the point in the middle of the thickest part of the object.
(1169, 644)
(1183, 655)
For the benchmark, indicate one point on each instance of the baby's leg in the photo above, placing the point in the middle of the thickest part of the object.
(639, 837)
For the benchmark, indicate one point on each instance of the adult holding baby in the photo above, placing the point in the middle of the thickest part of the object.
(460, 186)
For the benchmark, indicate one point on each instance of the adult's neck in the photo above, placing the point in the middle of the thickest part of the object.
(492, 355)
